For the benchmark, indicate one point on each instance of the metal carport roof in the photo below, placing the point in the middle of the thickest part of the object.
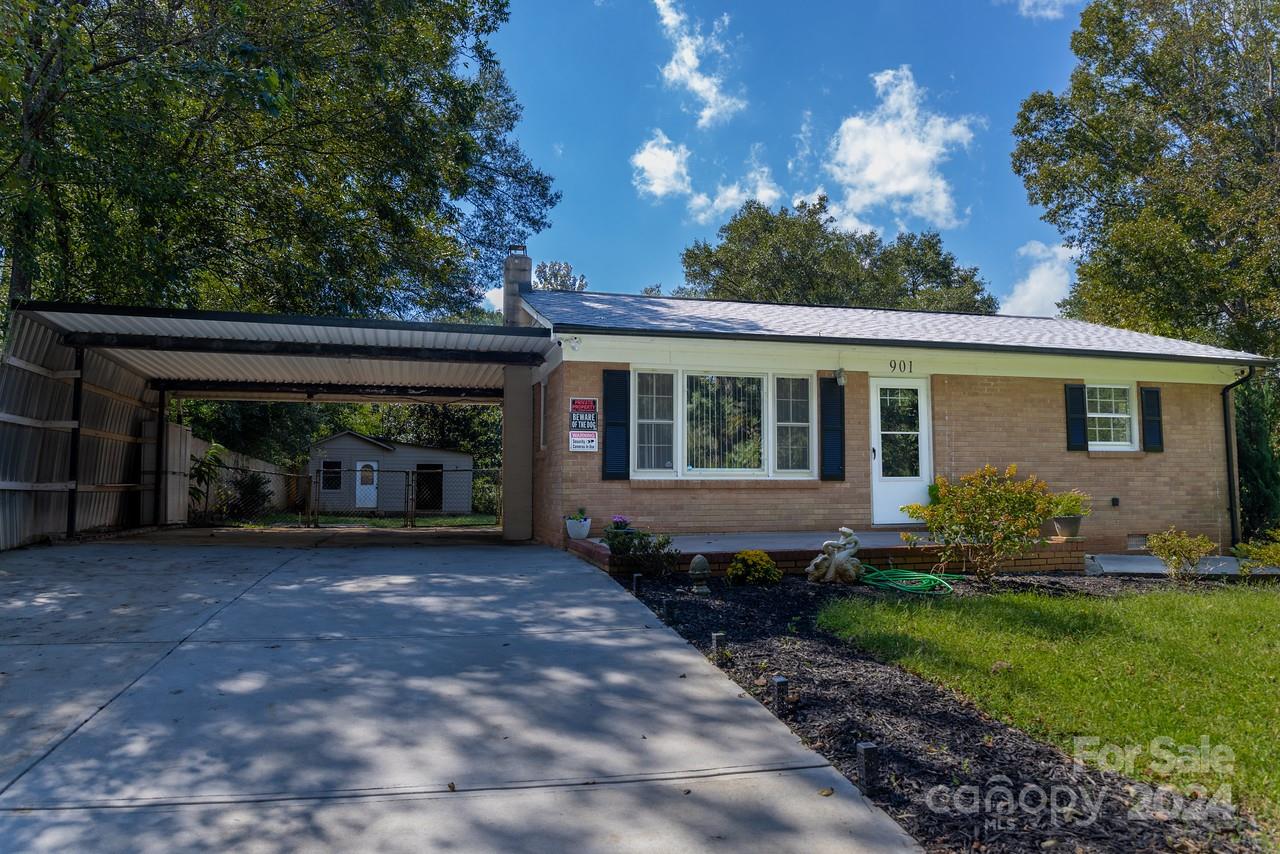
(237, 355)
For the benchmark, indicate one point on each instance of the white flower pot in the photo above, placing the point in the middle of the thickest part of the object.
(577, 528)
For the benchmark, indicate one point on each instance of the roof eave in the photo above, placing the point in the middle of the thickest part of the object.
(1245, 359)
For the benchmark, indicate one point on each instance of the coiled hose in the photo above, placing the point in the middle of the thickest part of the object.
(906, 581)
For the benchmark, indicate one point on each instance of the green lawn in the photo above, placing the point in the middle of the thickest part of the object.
(1126, 670)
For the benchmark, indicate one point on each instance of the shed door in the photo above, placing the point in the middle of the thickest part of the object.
(367, 485)
(430, 491)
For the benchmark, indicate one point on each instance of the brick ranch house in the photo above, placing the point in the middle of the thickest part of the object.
(716, 416)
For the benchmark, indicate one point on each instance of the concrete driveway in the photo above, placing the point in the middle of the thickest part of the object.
(304, 693)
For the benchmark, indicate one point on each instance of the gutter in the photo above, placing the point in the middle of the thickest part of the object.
(1228, 433)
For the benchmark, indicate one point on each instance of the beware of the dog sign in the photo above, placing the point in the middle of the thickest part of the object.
(584, 431)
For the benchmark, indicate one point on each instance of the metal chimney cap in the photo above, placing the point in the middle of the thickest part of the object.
(517, 249)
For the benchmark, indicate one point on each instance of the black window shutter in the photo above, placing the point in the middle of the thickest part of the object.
(615, 461)
(1077, 419)
(1152, 422)
(831, 428)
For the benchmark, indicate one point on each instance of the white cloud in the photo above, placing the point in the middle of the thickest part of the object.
(689, 48)
(493, 298)
(1044, 9)
(799, 162)
(893, 154)
(757, 184)
(1047, 282)
(661, 167)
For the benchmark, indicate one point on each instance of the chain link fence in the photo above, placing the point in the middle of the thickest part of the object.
(429, 496)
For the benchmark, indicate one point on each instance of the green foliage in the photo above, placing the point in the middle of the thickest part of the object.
(251, 495)
(1072, 503)
(1158, 163)
(279, 155)
(642, 550)
(1257, 422)
(986, 518)
(557, 276)
(578, 516)
(1259, 553)
(802, 256)
(1180, 552)
(1126, 669)
(752, 566)
(204, 472)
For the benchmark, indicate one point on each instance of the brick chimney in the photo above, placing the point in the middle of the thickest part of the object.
(517, 279)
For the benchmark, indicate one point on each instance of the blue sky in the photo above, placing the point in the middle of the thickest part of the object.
(657, 118)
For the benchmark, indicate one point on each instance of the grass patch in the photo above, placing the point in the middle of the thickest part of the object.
(1175, 664)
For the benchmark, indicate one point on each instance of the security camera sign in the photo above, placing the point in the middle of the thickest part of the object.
(584, 430)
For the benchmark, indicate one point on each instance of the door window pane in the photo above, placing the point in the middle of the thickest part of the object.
(792, 405)
(901, 455)
(655, 421)
(899, 432)
(724, 418)
(366, 475)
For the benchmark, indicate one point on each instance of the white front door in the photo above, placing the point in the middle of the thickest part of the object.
(367, 485)
(901, 458)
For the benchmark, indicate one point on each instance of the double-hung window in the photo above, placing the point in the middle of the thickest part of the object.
(1110, 424)
(697, 423)
(793, 424)
(655, 421)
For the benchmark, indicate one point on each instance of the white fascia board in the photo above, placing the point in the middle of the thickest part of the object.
(715, 354)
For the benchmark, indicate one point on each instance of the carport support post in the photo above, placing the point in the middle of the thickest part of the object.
(517, 453)
(162, 402)
(73, 451)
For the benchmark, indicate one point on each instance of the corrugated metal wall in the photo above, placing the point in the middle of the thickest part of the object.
(116, 450)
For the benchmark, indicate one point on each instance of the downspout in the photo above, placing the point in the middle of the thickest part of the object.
(1228, 423)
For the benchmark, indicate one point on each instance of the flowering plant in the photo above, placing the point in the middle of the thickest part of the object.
(620, 521)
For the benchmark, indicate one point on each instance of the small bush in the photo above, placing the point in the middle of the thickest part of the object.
(1073, 503)
(985, 518)
(1259, 553)
(252, 495)
(1180, 552)
(753, 567)
(646, 552)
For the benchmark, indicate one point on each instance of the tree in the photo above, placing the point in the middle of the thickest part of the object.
(557, 276)
(1158, 163)
(280, 155)
(1259, 471)
(802, 256)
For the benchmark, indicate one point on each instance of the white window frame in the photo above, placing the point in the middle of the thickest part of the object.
(769, 422)
(1132, 444)
(676, 424)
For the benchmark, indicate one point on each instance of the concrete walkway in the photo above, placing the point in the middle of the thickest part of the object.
(271, 695)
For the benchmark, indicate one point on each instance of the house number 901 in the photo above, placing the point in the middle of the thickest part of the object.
(899, 366)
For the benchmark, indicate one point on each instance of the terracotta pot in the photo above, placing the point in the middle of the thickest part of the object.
(1067, 526)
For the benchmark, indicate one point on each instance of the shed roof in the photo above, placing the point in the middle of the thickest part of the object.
(633, 314)
(281, 357)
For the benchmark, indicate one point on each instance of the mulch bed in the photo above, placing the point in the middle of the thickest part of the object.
(927, 735)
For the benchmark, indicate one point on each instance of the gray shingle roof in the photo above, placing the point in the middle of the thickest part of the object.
(633, 314)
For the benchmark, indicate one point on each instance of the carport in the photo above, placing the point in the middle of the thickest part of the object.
(84, 389)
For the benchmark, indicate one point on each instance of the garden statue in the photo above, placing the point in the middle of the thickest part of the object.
(837, 562)
(699, 572)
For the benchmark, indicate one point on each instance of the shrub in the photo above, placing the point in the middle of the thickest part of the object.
(1259, 553)
(1073, 503)
(252, 495)
(646, 552)
(985, 518)
(753, 567)
(1180, 552)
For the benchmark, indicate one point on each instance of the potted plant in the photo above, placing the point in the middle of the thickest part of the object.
(578, 524)
(1069, 510)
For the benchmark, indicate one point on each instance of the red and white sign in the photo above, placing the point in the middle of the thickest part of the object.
(584, 429)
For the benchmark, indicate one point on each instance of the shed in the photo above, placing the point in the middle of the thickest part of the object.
(358, 474)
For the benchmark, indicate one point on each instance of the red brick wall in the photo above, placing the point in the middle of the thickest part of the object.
(976, 420)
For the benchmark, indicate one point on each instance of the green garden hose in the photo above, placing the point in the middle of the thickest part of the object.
(906, 581)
